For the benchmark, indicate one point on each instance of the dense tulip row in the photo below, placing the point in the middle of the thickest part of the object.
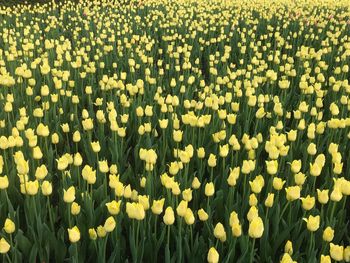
(175, 131)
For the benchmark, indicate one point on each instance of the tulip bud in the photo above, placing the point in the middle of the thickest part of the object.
(4, 246)
(74, 234)
(213, 255)
(169, 216)
(203, 216)
(256, 228)
(288, 248)
(9, 226)
(46, 188)
(328, 234)
(92, 234)
(313, 223)
(209, 189)
(110, 224)
(336, 252)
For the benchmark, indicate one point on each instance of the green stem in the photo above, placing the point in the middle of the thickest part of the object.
(252, 252)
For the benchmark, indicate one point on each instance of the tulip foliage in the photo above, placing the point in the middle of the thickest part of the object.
(175, 131)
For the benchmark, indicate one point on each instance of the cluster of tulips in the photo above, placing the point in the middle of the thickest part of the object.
(175, 131)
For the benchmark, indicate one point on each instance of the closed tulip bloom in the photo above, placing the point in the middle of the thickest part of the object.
(308, 202)
(4, 182)
(292, 193)
(189, 217)
(213, 255)
(223, 150)
(69, 195)
(269, 200)
(286, 258)
(41, 172)
(46, 188)
(325, 259)
(9, 226)
(169, 217)
(92, 234)
(177, 135)
(32, 187)
(65, 127)
(256, 228)
(278, 183)
(22, 166)
(55, 138)
(212, 160)
(187, 194)
(233, 176)
(89, 174)
(272, 167)
(128, 191)
(236, 229)
(203, 216)
(113, 207)
(4, 246)
(253, 201)
(74, 234)
(336, 252)
(328, 234)
(315, 169)
(75, 208)
(163, 124)
(288, 248)
(139, 211)
(76, 136)
(299, 178)
(252, 213)
(42, 130)
(296, 166)
(219, 232)
(209, 189)
(196, 183)
(101, 231)
(78, 159)
(103, 166)
(313, 223)
(347, 254)
(144, 201)
(336, 194)
(322, 196)
(181, 208)
(157, 206)
(95, 147)
(110, 224)
(201, 153)
(62, 163)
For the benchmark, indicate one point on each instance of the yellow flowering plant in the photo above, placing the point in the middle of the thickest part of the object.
(175, 131)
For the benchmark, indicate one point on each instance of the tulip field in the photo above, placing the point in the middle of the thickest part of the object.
(175, 131)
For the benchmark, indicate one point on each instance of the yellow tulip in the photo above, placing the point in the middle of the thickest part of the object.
(74, 234)
(209, 189)
(213, 255)
(219, 232)
(9, 226)
(256, 228)
(110, 224)
(4, 246)
(113, 207)
(169, 217)
(313, 223)
(292, 193)
(4, 182)
(328, 234)
(69, 195)
(336, 252)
